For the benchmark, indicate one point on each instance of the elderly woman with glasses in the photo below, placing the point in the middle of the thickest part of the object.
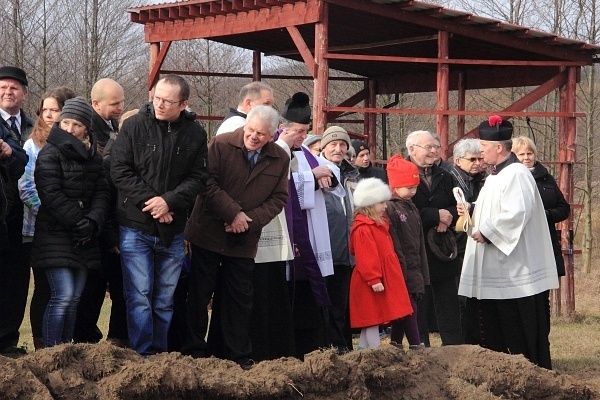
(556, 207)
(466, 169)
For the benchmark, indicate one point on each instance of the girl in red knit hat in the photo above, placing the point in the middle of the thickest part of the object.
(378, 293)
(409, 242)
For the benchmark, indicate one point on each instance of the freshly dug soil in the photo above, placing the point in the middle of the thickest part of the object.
(103, 371)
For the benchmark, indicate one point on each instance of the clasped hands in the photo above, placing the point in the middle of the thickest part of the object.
(159, 209)
(239, 223)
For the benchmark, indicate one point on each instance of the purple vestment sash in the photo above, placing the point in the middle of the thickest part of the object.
(305, 265)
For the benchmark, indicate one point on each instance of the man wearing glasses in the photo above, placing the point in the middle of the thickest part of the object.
(437, 207)
(159, 166)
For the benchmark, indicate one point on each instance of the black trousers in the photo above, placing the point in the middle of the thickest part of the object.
(447, 312)
(88, 311)
(271, 324)
(39, 301)
(14, 280)
(310, 320)
(515, 326)
(230, 279)
(338, 287)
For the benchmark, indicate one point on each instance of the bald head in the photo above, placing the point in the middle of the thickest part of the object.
(108, 99)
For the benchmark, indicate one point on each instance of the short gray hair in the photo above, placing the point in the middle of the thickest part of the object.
(410, 139)
(464, 146)
(266, 114)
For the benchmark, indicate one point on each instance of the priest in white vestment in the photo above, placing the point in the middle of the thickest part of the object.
(509, 266)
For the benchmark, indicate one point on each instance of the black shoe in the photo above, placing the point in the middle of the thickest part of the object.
(13, 350)
(245, 363)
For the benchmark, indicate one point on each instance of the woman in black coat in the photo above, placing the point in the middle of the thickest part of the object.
(74, 199)
(557, 208)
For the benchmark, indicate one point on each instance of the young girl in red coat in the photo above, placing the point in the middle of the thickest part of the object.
(378, 293)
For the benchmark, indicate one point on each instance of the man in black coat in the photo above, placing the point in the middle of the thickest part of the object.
(14, 261)
(159, 166)
(363, 162)
(437, 206)
(108, 99)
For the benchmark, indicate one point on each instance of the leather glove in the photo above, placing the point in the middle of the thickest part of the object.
(84, 230)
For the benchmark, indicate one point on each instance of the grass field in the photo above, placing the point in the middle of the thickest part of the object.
(575, 347)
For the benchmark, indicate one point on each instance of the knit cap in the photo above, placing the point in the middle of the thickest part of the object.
(359, 146)
(78, 109)
(371, 191)
(401, 172)
(335, 133)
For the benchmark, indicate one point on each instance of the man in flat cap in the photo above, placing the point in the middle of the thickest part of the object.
(509, 264)
(14, 262)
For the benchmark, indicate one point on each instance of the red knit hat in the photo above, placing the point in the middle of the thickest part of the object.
(402, 173)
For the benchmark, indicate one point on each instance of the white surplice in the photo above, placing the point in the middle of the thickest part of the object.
(520, 261)
(313, 202)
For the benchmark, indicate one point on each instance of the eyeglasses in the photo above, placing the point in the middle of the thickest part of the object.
(166, 102)
(428, 147)
(473, 159)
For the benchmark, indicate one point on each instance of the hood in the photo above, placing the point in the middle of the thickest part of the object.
(70, 146)
(539, 171)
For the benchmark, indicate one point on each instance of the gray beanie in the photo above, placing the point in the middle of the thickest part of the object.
(79, 109)
(335, 133)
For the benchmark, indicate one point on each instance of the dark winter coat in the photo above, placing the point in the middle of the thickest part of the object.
(557, 209)
(71, 184)
(102, 132)
(372, 172)
(376, 262)
(339, 216)
(11, 169)
(158, 158)
(429, 202)
(232, 187)
(409, 243)
(26, 128)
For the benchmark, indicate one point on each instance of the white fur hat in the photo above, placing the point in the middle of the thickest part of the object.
(371, 191)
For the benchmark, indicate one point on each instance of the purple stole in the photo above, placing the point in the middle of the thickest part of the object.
(304, 266)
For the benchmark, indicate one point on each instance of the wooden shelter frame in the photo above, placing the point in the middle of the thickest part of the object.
(553, 63)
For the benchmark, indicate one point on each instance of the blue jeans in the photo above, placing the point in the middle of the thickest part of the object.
(150, 274)
(66, 285)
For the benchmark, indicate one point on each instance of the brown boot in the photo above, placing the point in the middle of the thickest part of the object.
(38, 343)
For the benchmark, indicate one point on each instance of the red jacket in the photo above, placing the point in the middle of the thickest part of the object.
(376, 262)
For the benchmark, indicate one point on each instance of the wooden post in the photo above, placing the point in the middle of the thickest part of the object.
(372, 118)
(322, 80)
(154, 50)
(462, 92)
(256, 66)
(443, 72)
(567, 157)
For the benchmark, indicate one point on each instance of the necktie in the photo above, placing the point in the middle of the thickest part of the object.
(13, 124)
(252, 159)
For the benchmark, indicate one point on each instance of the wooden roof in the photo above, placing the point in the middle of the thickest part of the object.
(386, 40)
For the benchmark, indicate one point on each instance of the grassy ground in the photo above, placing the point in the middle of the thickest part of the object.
(575, 347)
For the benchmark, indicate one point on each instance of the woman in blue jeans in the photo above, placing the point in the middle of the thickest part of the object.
(74, 199)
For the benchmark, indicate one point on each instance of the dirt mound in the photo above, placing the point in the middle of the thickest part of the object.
(103, 371)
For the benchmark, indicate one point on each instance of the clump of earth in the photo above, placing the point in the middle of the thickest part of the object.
(103, 371)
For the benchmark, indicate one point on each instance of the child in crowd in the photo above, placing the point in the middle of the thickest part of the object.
(377, 290)
(409, 242)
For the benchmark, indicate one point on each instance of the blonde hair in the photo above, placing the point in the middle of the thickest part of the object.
(369, 212)
(523, 141)
(126, 115)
